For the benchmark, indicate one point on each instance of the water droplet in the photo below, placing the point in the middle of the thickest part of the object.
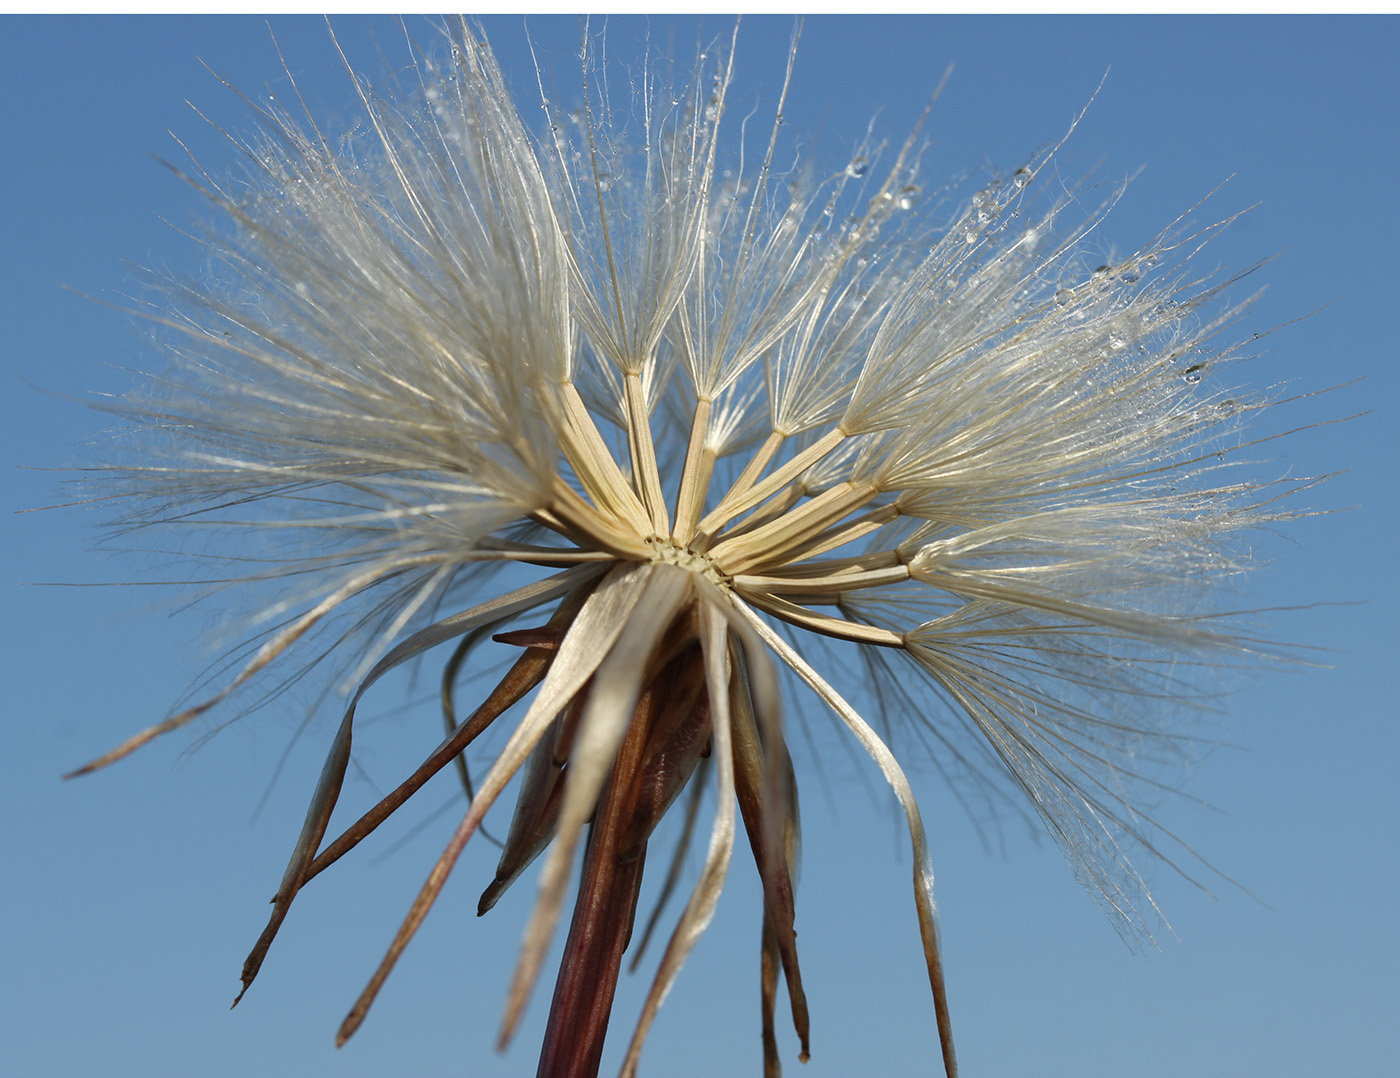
(1130, 275)
(908, 196)
(1194, 372)
(1022, 177)
(1064, 297)
(858, 167)
(1116, 343)
(970, 235)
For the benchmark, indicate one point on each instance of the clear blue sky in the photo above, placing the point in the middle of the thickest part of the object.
(130, 897)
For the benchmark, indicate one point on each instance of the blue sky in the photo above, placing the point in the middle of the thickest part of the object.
(132, 895)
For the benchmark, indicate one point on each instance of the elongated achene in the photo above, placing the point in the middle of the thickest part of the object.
(714, 404)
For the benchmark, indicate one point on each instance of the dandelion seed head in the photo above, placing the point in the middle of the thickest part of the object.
(711, 389)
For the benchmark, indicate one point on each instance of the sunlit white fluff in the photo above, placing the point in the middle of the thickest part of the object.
(711, 401)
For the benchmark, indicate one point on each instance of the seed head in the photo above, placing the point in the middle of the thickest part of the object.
(723, 401)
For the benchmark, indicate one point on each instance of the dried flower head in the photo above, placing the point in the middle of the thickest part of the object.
(728, 410)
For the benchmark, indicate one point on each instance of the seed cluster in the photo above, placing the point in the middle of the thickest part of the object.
(724, 408)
